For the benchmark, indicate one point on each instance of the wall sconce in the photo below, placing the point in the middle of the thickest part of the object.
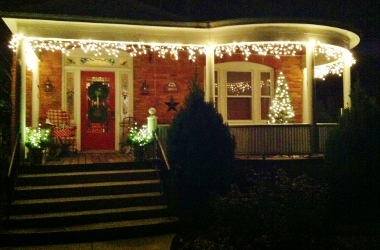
(144, 88)
(48, 86)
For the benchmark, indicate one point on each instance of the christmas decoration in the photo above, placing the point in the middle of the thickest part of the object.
(172, 104)
(281, 109)
(336, 56)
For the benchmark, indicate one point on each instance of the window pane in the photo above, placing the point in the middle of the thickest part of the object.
(239, 109)
(265, 103)
(265, 83)
(239, 83)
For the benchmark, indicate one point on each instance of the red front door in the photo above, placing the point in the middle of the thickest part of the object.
(97, 110)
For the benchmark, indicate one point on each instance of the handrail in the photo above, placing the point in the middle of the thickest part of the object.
(162, 151)
(13, 155)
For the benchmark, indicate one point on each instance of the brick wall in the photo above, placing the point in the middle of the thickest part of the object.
(158, 72)
(50, 69)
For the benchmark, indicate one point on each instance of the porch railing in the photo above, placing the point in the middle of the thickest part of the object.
(278, 139)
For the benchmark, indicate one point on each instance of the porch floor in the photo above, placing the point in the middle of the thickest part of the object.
(90, 158)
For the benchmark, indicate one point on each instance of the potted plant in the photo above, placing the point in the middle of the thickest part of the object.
(138, 139)
(37, 140)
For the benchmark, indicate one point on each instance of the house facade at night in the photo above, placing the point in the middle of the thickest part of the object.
(106, 70)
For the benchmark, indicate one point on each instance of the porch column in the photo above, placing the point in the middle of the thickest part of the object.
(21, 78)
(308, 85)
(346, 83)
(210, 76)
(35, 91)
(310, 98)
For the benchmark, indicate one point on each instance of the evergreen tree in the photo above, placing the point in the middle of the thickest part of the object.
(201, 152)
(352, 156)
(281, 109)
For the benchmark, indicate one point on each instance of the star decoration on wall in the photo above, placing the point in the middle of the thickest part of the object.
(172, 104)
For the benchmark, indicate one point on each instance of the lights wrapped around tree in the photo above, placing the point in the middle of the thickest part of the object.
(281, 109)
(139, 137)
(38, 138)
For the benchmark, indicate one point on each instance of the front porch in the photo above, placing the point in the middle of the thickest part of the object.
(252, 142)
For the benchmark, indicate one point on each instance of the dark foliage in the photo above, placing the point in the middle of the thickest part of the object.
(353, 159)
(275, 211)
(201, 150)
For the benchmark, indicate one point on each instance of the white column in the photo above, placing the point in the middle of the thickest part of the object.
(305, 98)
(308, 92)
(22, 62)
(346, 83)
(210, 75)
(35, 95)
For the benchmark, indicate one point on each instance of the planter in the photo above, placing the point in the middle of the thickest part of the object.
(36, 156)
(138, 153)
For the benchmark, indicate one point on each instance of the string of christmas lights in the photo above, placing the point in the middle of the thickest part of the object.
(281, 109)
(336, 55)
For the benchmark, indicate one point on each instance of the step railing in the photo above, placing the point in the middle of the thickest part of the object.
(12, 172)
(162, 151)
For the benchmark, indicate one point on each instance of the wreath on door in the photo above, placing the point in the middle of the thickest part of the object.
(98, 91)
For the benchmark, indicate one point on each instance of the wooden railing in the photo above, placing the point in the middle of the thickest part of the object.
(278, 139)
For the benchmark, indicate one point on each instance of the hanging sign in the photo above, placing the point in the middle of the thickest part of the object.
(171, 87)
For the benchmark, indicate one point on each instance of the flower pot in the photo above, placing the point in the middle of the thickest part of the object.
(138, 153)
(36, 156)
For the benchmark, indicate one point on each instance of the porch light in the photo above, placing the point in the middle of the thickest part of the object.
(48, 86)
(144, 88)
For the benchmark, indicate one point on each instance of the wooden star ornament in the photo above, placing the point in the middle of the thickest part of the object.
(172, 104)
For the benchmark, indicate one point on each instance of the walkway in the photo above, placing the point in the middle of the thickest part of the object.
(160, 242)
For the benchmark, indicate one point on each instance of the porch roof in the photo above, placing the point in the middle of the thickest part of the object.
(276, 37)
(173, 32)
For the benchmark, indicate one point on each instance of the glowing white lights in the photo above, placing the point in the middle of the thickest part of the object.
(335, 56)
(276, 49)
(281, 109)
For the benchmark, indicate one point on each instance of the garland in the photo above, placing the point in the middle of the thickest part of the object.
(97, 114)
(98, 90)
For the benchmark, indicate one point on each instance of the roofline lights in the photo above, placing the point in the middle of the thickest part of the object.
(337, 56)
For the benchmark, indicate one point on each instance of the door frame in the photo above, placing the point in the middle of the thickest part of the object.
(120, 73)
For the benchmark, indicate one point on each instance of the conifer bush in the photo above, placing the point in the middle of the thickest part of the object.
(352, 155)
(201, 152)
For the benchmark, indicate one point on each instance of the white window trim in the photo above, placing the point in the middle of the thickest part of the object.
(256, 70)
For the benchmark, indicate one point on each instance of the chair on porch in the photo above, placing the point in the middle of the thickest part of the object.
(64, 134)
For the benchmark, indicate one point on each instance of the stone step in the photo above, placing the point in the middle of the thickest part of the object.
(86, 189)
(89, 232)
(39, 206)
(85, 177)
(82, 217)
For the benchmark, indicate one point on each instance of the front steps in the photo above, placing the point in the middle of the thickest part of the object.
(78, 203)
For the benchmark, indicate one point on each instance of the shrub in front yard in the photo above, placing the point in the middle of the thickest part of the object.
(276, 211)
(201, 151)
(276, 208)
(352, 155)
